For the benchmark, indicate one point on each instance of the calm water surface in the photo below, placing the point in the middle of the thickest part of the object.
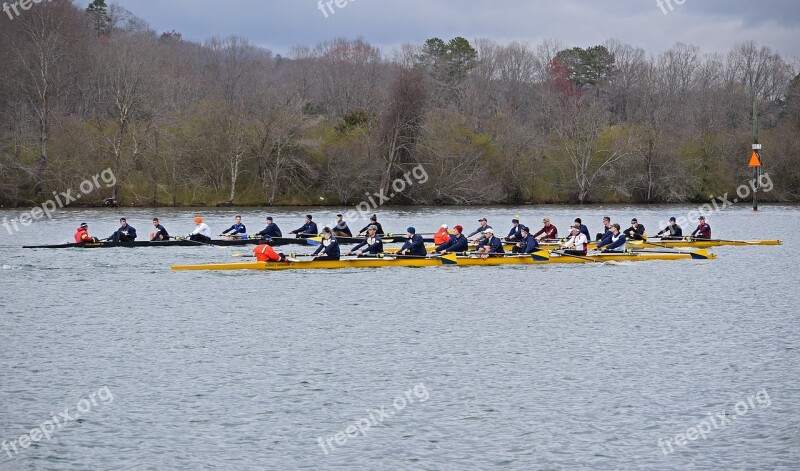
(547, 367)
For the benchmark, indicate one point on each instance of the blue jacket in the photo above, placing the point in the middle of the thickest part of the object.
(610, 244)
(373, 249)
(342, 227)
(531, 244)
(606, 239)
(495, 245)
(236, 229)
(160, 231)
(310, 228)
(129, 229)
(515, 233)
(415, 245)
(271, 230)
(585, 231)
(455, 244)
(331, 250)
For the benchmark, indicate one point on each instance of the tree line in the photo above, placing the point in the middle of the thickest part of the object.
(228, 123)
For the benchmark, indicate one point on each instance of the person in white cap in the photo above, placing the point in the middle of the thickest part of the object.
(490, 244)
(577, 243)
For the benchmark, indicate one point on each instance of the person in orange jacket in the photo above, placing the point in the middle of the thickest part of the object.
(82, 235)
(265, 253)
(441, 235)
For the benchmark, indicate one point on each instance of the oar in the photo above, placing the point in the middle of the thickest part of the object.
(199, 242)
(642, 242)
(560, 252)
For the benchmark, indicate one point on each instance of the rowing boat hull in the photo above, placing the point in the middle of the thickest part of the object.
(539, 258)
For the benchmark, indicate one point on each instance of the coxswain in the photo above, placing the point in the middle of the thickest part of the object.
(672, 231)
(636, 231)
(309, 228)
(265, 253)
(549, 231)
(372, 243)
(616, 241)
(577, 243)
(125, 233)
(458, 243)
(201, 232)
(236, 231)
(484, 224)
(82, 234)
(341, 228)
(329, 248)
(441, 236)
(159, 233)
(271, 231)
(415, 245)
(528, 244)
(703, 230)
(490, 244)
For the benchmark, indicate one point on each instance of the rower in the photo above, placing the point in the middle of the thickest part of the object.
(703, 230)
(549, 231)
(201, 232)
(636, 231)
(490, 244)
(373, 221)
(82, 234)
(606, 229)
(236, 231)
(373, 244)
(441, 235)
(329, 248)
(341, 228)
(584, 230)
(272, 230)
(672, 231)
(616, 242)
(458, 243)
(309, 228)
(159, 233)
(415, 245)
(484, 224)
(528, 244)
(125, 233)
(265, 253)
(577, 243)
(515, 234)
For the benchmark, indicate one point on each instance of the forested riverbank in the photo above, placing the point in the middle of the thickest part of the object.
(227, 122)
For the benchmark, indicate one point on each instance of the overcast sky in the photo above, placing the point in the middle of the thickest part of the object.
(714, 25)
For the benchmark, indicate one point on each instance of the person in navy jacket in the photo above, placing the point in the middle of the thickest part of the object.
(272, 230)
(515, 234)
(329, 248)
(373, 243)
(458, 243)
(159, 233)
(703, 230)
(583, 229)
(490, 244)
(415, 245)
(236, 231)
(528, 244)
(309, 228)
(125, 233)
(616, 243)
(606, 229)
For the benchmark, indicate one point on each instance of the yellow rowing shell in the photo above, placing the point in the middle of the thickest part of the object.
(639, 244)
(538, 258)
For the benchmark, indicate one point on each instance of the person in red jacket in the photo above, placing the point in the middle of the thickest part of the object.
(82, 235)
(549, 231)
(703, 230)
(265, 253)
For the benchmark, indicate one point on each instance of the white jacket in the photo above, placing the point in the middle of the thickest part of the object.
(202, 229)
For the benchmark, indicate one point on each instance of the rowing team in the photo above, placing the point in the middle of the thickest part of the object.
(202, 233)
(612, 240)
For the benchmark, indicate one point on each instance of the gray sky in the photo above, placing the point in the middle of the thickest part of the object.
(714, 25)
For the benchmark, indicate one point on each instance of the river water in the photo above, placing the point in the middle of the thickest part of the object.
(542, 367)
